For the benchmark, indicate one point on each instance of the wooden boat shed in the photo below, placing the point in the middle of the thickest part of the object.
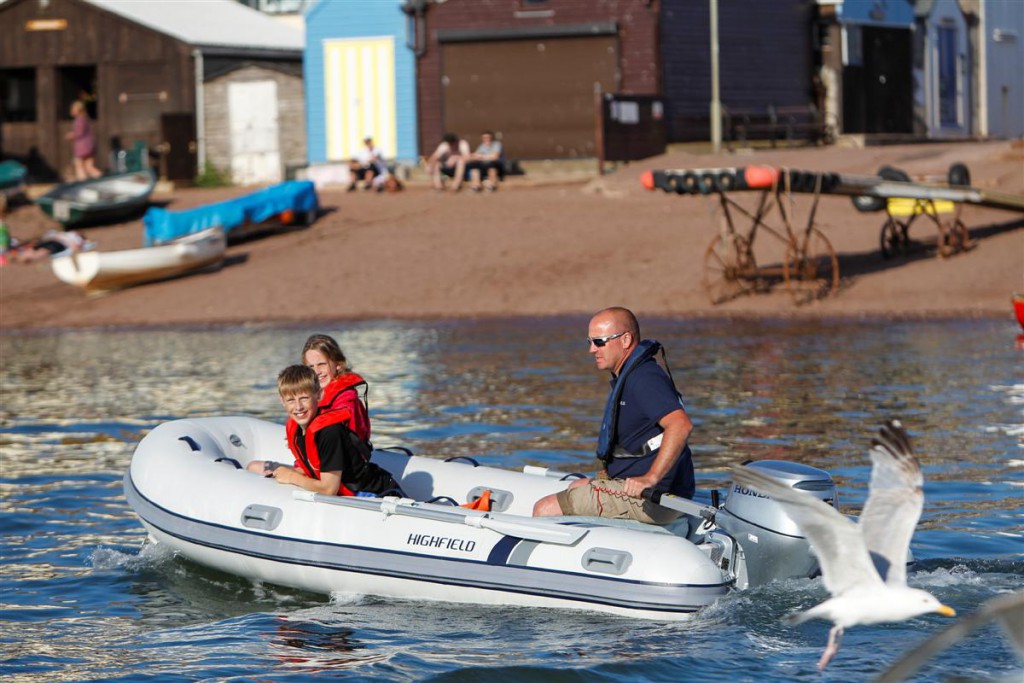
(197, 83)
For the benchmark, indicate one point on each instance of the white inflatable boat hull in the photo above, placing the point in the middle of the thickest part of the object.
(185, 484)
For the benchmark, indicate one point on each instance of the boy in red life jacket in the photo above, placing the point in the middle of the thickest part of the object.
(329, 457)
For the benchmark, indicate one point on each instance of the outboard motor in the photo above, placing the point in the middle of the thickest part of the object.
(771, 545)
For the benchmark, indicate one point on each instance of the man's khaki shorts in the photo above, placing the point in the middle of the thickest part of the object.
(605, 498)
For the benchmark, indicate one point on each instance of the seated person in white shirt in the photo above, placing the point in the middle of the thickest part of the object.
(449, 159)
(368, 166)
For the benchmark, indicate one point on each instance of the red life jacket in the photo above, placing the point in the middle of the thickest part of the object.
(342, 396)
(311, 465)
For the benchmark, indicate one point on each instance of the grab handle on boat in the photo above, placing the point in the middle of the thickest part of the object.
(466, 458)
(393, 449)
(553, 474)
(679, 504)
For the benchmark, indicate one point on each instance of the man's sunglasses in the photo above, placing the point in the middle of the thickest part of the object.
(599, 342)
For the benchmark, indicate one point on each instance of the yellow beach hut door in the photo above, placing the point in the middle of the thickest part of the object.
(255, 153)
(359, 87)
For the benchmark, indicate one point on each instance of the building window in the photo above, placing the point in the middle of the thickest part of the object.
(18, 95)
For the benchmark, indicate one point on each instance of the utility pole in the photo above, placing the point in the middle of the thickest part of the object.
(716, 104)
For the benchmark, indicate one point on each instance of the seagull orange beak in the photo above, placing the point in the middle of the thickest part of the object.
(946, 611)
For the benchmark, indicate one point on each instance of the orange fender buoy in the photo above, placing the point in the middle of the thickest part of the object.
(647, 179)
(760, 177)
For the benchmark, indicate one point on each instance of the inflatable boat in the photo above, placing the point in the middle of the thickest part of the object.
(188, 483)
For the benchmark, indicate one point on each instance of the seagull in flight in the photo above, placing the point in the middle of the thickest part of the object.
(852, 554)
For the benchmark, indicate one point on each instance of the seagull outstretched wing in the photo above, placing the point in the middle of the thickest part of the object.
(894, 502)
(836, 540)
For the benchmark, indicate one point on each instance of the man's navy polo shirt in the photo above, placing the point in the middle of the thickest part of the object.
(647, 397)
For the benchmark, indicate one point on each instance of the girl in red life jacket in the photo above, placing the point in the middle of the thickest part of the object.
(339, 384)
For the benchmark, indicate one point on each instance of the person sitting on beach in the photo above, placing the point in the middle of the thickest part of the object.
(488, 161)
(329, 458)
(52, 243)
(340, 385)
(449, 159)
(368, 166)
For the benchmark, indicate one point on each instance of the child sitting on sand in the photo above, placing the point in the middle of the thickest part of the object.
(329, 457)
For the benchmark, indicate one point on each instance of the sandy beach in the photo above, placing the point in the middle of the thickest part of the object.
(549, 245)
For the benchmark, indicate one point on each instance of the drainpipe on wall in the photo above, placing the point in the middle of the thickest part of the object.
(197, 60)
(981, 74)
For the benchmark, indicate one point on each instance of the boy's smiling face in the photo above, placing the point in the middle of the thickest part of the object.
(301, 407)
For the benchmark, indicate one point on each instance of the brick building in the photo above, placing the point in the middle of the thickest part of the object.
(529, 69)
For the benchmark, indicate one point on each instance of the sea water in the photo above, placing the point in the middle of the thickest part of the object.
(85, 598)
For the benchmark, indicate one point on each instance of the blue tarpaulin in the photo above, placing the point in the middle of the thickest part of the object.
(297, 196)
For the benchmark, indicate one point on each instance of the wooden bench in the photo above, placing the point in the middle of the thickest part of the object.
(789, 122)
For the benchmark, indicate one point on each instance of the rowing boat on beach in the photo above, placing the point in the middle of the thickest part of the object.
(99, 201)
(102, 271)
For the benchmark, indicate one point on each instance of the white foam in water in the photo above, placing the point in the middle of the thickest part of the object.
(344, 598)
(150, 554)
(959, 575)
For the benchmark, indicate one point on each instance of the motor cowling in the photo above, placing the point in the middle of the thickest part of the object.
(773, 546)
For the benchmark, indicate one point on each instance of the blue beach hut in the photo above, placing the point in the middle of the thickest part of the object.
(360, 80)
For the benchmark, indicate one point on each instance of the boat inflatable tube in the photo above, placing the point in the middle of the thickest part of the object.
(188, 484)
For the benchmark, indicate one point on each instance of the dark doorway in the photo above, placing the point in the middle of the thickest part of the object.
(178, 146)
(78, 83)
(878, 81)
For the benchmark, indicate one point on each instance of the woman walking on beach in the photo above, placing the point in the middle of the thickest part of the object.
(83, 143)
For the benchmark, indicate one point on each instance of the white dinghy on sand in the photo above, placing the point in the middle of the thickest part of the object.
(102, 271)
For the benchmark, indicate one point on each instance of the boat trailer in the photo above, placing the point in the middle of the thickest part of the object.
(799, 254)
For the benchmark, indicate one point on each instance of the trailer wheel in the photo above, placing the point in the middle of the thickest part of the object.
(954, 239)
(959, 176)
(729, 268)
(893, 238)
(893, 173)
(811, 270)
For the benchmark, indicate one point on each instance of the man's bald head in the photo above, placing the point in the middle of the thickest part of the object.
(621, 318)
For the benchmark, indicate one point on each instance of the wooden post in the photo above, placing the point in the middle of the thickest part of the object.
(599, 132)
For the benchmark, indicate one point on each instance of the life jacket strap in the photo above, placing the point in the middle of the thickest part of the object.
(651, 445)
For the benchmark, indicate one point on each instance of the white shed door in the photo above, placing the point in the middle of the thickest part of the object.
(252, 110)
